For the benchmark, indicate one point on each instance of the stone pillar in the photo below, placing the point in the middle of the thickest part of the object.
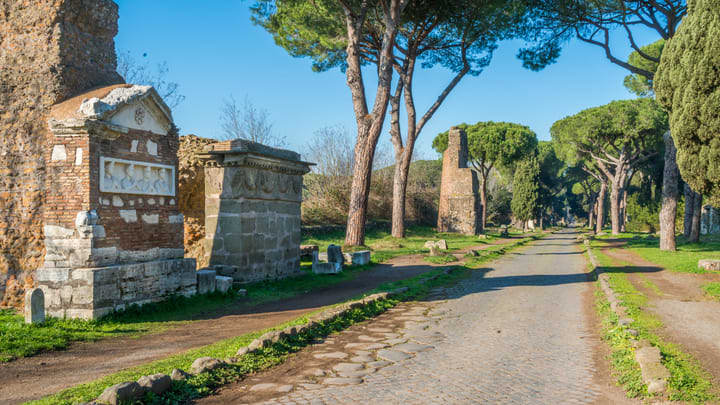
(459, 208)
(49, 51)
(252, 209)
(113, 230)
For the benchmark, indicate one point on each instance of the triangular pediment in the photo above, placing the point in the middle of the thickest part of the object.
(125, 106)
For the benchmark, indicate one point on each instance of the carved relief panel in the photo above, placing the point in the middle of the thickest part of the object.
(133, 177)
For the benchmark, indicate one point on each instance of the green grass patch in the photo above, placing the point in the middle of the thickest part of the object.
(712, 289)
(688, 381)
(384, 246)
(684, 260)
(442, 259)
(204, 384)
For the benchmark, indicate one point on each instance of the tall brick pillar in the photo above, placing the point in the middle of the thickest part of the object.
(460, 208)
(50, 50)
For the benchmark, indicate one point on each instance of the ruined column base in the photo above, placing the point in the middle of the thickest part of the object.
(90, 293)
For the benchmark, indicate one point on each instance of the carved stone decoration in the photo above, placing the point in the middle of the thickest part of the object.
(139, 115)
(133, 177)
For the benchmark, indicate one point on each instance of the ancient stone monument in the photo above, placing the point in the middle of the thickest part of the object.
(252, 209)
(113, 232)
(459, 209)
(34, 306)
(709, 221)
(49, 51)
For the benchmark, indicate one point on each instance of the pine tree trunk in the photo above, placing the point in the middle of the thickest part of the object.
(591, 213)
(483, 200)
(668, 211)
(697, 211)
(601, 208)
(615, 194)
(689, 207)
(400, 179)
(623, 211)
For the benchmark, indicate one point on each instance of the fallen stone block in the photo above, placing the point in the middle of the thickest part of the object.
(654, 374)
(306, 251)
(335, 254)
(156, 383)
(204, 364)
(206, 281)
(709, 264)
(359, 258)
(127, 392)
(223, 284)
(326, 268)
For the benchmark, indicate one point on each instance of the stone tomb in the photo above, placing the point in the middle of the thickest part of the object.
(252, 209)
(113, 232)
(459, 208)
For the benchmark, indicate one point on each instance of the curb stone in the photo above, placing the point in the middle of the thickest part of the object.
(654, 373)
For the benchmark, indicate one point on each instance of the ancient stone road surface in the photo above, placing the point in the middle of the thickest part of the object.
(518, 332)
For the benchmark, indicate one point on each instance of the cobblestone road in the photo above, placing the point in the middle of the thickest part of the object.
(512, 333)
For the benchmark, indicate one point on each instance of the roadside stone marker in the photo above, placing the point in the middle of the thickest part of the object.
(335, 254)
(34, 306)
(359, 258)
(206, 281)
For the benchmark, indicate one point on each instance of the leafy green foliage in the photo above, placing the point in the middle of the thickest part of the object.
(638, 84)
(712, 289)
(625, 127)
(526, 189)
(687, 84)
(493, 144)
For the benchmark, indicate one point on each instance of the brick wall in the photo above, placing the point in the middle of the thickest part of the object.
(459, 207)
(50, 50)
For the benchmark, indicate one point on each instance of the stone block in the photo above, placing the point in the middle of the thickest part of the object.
(206, 281)
(127, 392)
(34, 306)
(359, 258)
(223, 284)
(709, 264)
(326, 268)
(335, 255)
(156, 383)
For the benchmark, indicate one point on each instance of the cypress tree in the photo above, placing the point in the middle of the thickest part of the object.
(687, 84)
(526, 190)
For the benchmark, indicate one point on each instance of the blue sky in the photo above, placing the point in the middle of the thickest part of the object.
(213, 51)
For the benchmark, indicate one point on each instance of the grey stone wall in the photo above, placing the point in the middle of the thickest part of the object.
(90, 293)
(252, 210)
(709, 221)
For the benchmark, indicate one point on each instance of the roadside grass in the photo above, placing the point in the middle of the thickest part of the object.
(688, 381)
(712, 289)
(18, 339)
(204, 384)
(684, 260)
(442, 259)
(384, 246)
(622, 354)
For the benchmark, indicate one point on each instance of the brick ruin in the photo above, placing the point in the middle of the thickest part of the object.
(252, 210)
(459, 208)
(113, 230)
(50, 51)
(90, 177)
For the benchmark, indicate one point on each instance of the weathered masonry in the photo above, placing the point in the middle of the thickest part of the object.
(49, 51)
(113, 232)
(252, 209)
(459, 208)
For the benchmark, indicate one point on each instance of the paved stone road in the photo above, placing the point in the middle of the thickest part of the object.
(513, 333)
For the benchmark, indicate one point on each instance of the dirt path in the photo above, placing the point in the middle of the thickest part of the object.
(690, 318)
(34, 377)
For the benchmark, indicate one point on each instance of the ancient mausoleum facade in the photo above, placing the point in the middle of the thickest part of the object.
(252, 210)
(113, 231)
